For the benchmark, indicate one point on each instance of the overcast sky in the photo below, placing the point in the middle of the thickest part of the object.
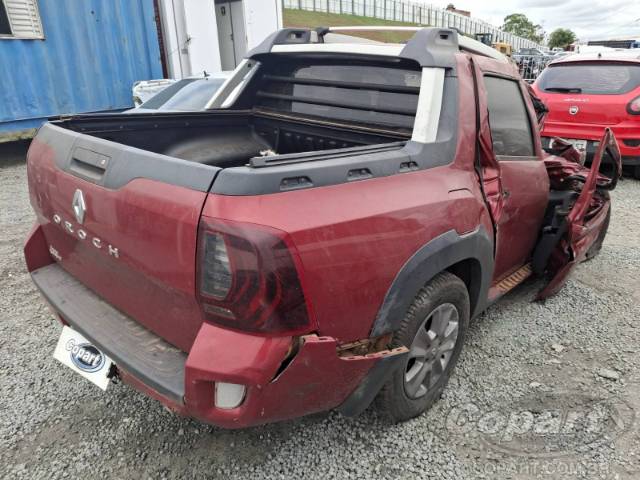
(589, 19)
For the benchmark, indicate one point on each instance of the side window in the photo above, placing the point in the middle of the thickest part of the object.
(20, 19)
(365, 94)
(510, 125)
(5, 26)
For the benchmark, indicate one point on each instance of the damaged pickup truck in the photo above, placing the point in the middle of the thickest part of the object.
(320, 237)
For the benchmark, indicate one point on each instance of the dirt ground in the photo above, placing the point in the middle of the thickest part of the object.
(543, 390)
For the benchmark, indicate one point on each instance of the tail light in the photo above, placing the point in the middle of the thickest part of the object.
(248, 278)
(633, 107)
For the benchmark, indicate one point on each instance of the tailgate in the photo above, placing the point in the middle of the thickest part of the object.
(587, 109)
(590, 92)
(123, 222)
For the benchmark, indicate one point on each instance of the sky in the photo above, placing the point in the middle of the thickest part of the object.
(589, 19)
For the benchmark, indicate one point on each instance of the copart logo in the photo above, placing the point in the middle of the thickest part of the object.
(85, 356)
(549, 426)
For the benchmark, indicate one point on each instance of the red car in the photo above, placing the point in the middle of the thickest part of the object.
(319, 238)
(588, 92)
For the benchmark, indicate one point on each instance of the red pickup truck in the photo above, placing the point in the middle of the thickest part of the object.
(318, 238)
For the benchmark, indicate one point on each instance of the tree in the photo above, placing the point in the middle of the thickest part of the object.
(520, 25)
(561, 37)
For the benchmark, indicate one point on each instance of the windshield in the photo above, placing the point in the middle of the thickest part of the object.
(593, 78)
(188, 94)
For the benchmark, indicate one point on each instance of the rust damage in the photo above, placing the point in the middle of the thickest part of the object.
(365, 348)
(368, 347)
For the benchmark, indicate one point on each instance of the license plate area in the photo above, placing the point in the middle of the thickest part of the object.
(81, 356)
(580, 145)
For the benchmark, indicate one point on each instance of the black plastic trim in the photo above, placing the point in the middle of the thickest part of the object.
(125, 163)
(433, 47)
(430, 46)
(289, 36)
(288, 159)
(366, 391)
(342, 84)
(280, 37)
(436, 256)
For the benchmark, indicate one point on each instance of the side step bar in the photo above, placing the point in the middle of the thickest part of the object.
(509, 283)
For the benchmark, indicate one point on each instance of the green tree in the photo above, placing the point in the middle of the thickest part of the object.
(519, 24)
(561, 37)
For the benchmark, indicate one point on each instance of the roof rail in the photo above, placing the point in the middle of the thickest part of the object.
(430, 46)
(465, 43)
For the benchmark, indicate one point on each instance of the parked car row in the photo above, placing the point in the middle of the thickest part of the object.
(185, 95)
(588, 92)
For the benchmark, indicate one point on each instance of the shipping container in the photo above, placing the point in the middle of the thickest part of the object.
(60, 57)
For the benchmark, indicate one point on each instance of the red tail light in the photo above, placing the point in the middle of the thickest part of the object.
(248, 278)
(633, 106)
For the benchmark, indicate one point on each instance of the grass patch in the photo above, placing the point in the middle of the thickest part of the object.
(303, 18)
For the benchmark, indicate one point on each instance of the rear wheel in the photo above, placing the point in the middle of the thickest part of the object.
(433, 330)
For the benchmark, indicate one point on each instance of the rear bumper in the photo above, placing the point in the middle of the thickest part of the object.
(592, 146)
(631, 161)
(284, 377)
(624, 131)
(131, 346)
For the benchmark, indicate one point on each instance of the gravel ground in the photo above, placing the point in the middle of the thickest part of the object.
(542, 390)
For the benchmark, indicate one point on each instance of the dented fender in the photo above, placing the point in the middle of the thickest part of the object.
(285, 377)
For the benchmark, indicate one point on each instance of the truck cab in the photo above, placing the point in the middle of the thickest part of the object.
(320, 237)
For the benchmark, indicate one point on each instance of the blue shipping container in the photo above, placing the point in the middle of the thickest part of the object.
(92, 53)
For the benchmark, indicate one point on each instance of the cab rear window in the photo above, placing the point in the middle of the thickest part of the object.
(368, 94)
(601, 78)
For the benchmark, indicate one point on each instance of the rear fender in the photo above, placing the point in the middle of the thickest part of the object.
(436, 256)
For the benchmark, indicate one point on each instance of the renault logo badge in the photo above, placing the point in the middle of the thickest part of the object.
(79, 206)
(573, 110)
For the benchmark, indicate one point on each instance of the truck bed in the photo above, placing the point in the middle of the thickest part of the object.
(227, 138)
(145, 179)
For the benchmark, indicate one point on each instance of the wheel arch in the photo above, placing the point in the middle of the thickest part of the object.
(469, 271)
(468, 256)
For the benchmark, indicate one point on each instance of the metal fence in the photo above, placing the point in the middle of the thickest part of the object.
(530, 66)
(408, 11)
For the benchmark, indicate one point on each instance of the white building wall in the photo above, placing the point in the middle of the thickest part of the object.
(191, 35)
(262, 18)
(173, 28)
(202, 36)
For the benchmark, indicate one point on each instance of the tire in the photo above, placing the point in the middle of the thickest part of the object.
(444, 297)
(636, 172)
(594, 250)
